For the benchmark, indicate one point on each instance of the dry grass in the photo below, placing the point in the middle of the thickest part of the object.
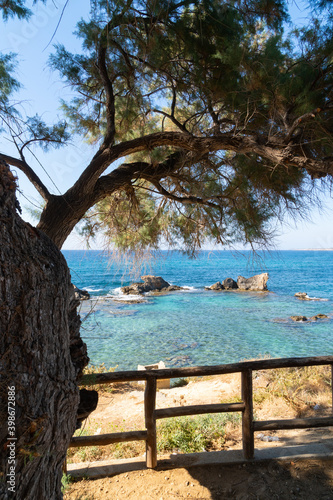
(305, 390)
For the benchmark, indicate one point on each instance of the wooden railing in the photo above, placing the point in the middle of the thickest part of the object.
(249, 426)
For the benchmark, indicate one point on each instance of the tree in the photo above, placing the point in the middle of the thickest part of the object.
(212, 122)
(41, 352)
(222, 122)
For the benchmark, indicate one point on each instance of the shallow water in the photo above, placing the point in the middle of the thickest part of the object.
(200, 327)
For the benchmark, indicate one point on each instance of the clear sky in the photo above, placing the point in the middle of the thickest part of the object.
(42, 90)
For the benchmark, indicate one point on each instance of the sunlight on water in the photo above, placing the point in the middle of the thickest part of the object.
(200, 327)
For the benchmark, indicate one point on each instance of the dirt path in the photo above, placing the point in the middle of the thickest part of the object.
(291, 479)
(308, 480)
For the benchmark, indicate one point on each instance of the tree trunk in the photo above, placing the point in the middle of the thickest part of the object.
(41, 353)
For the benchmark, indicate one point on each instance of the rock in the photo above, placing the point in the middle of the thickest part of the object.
(229, 284)
(172, 288)
(319, 316)
(299, 318)
(302, 296)
(134, 289)
(256, 283)
(216, 286)
(81, 294)
(150, 284)
(155, 282)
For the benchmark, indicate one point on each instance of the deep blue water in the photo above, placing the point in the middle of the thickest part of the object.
(200, 327)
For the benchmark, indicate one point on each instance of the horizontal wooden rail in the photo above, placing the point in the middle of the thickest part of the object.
(182, 411)
(295, 423)
(200, 371)
(105, 439)
(249, 426)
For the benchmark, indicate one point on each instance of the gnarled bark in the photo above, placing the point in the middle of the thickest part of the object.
(41, 355)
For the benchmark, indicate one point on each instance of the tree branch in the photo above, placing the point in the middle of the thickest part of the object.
(108, 88)
(173, 119)
(29, 172)
(278, 154)
(301, 119)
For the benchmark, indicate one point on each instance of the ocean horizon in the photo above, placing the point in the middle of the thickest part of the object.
(196, 326)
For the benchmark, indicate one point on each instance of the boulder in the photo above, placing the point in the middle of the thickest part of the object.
(216, 286)
(229, 284)
(150, 284)
(155, 282)
(299, 318)
(81, 294)
(257, 283)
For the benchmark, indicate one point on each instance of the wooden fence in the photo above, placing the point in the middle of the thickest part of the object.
(249, 426)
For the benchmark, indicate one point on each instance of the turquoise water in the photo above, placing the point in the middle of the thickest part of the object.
(200, 327)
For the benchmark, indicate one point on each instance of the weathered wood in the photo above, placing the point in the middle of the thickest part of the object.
(200, 371)
(246, 406)
(37, 312)
(105, 439)
(181, 411)
(332, 384)
(294, 423)
(150, 400)
(247, 420)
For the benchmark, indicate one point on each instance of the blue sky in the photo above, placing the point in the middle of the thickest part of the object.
(42, 90)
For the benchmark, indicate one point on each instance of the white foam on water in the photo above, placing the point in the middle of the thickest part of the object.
(91, 289)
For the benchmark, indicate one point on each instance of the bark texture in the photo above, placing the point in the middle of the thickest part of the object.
(41, 353)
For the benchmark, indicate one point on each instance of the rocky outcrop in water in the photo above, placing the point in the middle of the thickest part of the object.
(215, 286)
(313, 318)
(299, 318)
(229, 284)
(304, 296)
(257, 283)
(150, 284)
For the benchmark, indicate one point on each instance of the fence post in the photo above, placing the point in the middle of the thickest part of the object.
(247, 417)
(150, 399)
(332, 384)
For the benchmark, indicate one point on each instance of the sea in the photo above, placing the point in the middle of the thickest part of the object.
(196, 326)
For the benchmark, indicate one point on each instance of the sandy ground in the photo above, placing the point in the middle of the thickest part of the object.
(308, 479)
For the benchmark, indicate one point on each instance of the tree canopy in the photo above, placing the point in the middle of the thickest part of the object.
(211, 120)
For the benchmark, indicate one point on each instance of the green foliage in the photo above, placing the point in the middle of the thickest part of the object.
(202, 68)
(219, 71)
(65, 482)
(45, 135)
(8, 85)
(12, 8)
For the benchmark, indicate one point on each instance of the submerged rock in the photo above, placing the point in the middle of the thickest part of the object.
(299, 318)
(257, 283)
(319, 316)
